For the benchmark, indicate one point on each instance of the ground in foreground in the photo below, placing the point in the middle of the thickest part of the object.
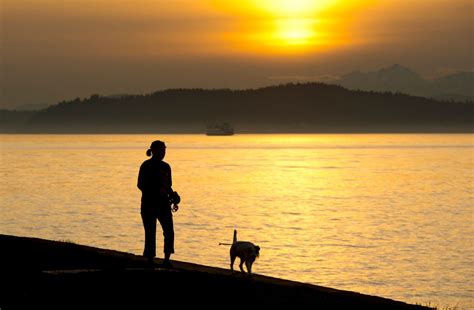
(39, 273)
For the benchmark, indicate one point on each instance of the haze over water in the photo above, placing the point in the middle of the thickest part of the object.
(389, 215)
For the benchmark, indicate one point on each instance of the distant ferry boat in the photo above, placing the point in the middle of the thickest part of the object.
(220, 129)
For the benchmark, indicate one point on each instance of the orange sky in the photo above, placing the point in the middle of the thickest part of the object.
(54, 50)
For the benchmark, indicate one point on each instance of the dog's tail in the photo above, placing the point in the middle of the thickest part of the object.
(235, 236)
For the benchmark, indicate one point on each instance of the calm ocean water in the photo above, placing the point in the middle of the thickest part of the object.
(390, 215)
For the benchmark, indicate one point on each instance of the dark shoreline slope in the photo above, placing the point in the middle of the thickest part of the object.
(290, 108)
(43, 274)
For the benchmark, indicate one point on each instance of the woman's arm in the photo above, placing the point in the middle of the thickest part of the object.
(140, 184)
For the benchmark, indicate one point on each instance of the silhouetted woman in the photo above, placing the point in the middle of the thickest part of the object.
(154, 180)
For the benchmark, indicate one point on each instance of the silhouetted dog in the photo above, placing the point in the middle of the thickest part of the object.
(246, 251)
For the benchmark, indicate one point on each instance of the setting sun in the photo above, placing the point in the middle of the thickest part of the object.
(293, 8)
(295, 32)
(281, 27)
(295, 23)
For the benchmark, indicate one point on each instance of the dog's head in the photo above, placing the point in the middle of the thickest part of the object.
(257, 251)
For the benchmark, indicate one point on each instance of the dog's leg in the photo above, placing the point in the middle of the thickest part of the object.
(248, 264)
(232, 259)
(241, 265)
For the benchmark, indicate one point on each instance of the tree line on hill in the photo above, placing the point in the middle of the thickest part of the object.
(308, 107)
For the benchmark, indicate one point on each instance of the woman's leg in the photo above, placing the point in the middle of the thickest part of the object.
(166, 220)
(149, 224)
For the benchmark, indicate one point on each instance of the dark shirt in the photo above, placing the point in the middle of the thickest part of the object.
(154, 180)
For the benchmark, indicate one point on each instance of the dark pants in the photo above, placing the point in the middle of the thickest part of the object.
(164, 216)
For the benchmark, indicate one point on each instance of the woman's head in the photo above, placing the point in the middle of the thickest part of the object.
(157, 149)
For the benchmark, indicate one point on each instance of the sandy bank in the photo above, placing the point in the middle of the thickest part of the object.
(40, 274)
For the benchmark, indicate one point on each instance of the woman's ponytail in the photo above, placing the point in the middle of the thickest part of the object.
(156, 145)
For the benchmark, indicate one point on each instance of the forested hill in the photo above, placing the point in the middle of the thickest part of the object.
(312, 107)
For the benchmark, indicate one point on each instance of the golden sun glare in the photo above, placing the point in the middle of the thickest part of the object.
(295, 25)
(291, 26)
(295, 32)
(293, 7)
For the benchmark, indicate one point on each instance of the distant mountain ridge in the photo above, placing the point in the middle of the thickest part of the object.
(309, 107)
(397, 78)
